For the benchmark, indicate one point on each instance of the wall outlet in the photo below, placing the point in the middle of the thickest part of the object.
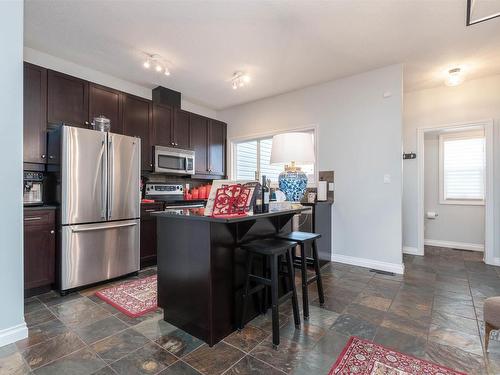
(387, 178)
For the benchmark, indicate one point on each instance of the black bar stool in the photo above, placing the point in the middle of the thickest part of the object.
(271, 249)
(302, 238)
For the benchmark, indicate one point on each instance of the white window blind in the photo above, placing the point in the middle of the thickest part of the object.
(462, 167)
(255, 155)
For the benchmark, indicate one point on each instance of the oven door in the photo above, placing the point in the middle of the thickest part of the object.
(173, 162)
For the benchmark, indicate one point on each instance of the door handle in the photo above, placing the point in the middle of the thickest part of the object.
(102, 227)
(110, 176)
(104, 182)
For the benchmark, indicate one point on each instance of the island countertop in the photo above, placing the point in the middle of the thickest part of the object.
(199, 215)
(201, 267)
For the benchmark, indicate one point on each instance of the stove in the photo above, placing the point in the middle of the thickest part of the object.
(171, 194)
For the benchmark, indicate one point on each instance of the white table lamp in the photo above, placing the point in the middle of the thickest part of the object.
(293, 148)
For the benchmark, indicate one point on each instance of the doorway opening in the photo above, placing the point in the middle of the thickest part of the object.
(455, 187)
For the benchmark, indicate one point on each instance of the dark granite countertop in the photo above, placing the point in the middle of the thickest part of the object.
(36, 208)
(199, 214)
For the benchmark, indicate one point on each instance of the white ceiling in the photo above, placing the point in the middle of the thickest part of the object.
(283, 45)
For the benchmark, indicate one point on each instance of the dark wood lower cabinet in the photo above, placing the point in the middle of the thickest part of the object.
(148, 233)
(39, 250)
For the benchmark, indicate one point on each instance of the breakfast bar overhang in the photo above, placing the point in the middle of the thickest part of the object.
(201, 268)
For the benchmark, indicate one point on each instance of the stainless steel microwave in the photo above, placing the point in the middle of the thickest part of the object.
(173, 160)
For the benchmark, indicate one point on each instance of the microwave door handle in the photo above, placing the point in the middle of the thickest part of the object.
(186, 165)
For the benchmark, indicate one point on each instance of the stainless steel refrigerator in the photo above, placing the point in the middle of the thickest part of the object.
(100, 206)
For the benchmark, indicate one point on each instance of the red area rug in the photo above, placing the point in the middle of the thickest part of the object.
(363, 357)
(133, 298)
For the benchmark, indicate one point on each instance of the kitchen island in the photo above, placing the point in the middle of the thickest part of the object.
(201, 268)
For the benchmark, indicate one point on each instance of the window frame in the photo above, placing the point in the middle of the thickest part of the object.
(257, 137)
(443, 137)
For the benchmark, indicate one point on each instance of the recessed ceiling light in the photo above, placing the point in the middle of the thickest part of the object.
(455, 77)
(239, 79)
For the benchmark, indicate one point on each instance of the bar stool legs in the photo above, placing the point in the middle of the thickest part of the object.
(306, 281)
(303, 271)
(319, 281)
(295, 303)
(274, 301)
(262, 282)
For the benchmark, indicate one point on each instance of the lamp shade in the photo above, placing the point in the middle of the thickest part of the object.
(296, 147)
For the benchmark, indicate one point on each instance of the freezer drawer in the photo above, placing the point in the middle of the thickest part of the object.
(95, 252)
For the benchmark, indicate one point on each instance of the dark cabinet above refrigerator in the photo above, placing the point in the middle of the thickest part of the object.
(52, 97)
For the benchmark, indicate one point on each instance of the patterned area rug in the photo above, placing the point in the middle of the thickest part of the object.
(364, 357)
(133, 298)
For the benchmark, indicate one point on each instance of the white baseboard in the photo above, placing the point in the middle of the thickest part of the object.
(496, 262)
(13, 334)
(411, 250)
(455, 245)
(369, 263)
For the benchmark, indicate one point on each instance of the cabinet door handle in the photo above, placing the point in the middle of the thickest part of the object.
(43, 156)
(52, 232)
(151, 210)
(34, 218)
(51, 157)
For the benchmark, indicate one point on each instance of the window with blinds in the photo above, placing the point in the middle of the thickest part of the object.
(462, 168)
(255, 155)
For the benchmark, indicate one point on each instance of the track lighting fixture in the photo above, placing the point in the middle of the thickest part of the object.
(239, 79)
(160, 64)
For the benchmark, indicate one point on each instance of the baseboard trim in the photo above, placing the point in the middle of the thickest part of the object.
(411, 250)
(496, 262)
(455, 245)
(369, 263)
(13, 334)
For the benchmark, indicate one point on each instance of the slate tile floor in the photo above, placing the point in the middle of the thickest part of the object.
(433, 312)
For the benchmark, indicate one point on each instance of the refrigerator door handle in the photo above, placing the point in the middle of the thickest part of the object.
(110, 176)
(104, 180)
(102, 227)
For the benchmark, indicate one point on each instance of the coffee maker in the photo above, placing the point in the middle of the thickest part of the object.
(33, 189)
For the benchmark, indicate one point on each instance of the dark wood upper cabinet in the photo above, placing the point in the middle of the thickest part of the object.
(137, 120)
(39, 248)
(35, 114)
(67, 100)
(181, 128)
(106, 102)
(162, 134)
(199, 137)
(216, 148)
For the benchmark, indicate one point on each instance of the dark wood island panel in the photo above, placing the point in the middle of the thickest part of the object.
(201, 268)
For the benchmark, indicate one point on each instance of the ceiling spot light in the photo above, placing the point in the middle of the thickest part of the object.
(455, 77)
(239, 79)
(160, 64)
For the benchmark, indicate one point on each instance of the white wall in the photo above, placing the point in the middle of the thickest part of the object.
(48, 61)
(456, 223)
(471, 101)
(359, 135)
(12, 326)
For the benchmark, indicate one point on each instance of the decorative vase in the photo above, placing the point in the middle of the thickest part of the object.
(293, 184)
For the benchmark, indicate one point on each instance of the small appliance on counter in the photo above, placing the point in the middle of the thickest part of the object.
(171, 194)
(33, 189)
